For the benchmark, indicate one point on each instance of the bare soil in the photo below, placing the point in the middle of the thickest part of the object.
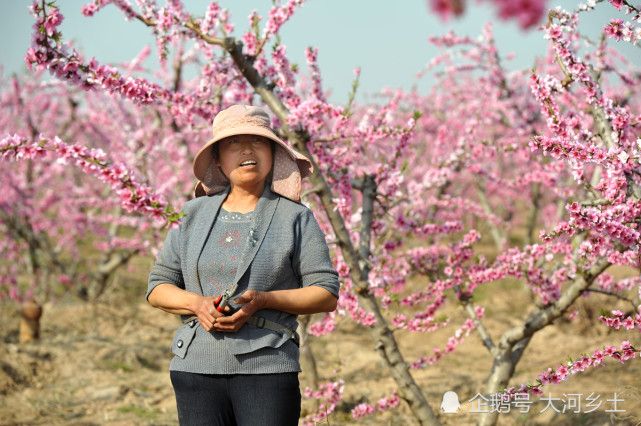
(107, 363)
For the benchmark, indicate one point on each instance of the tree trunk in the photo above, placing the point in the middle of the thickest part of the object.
(502, 370)
(513, 342)
(30, 313)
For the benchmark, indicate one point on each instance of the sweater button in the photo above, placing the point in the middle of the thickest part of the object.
(192, 323)
(179, 343)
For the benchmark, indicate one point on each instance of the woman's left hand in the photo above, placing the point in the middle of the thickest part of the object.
(250, 301)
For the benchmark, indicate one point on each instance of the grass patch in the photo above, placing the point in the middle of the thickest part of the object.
(117, 365)
(143, 413)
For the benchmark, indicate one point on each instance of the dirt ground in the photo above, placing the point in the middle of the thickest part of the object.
(107, 364)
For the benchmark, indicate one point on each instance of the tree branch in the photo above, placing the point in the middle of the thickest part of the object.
(541, 318)
(35, 241)
(480, 327)
(369, 195)
(494, 231)
(609, 293)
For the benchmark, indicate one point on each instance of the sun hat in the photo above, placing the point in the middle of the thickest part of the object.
(289, 169)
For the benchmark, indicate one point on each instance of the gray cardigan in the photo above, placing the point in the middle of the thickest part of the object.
(286, 249)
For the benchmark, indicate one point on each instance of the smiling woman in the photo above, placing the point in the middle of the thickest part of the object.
(246, 160)
(245, 240)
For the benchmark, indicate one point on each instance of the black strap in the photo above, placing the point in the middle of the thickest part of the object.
(258, 322)
(261, 322)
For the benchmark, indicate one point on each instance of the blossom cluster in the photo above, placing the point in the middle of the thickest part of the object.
(47, 52)
(328, 395)
(348, 304)
(619, 30)
(617, 319)
(383, 404)
(278, 15)
(526, 12)
(609, 221)
(422, 322)
(325, 326)
(208, 23)
(566, 149)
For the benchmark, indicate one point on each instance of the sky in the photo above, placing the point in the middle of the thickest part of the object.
(387, 40)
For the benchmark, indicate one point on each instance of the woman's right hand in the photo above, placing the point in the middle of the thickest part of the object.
(207, 312)
(177, 301)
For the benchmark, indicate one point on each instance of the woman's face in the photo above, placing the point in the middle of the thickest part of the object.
(246, 160)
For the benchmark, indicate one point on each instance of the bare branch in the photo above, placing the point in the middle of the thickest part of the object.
(204, 37)
(369, 195)
(499, 239)
(609, 293)
(34, 240)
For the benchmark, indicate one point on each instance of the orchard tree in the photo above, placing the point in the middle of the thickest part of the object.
(555, 150)
(64, 231)
(406, 188)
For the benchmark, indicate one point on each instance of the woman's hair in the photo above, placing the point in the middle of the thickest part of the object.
(215, 150)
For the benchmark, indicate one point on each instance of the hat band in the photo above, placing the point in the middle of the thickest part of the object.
(234, 122)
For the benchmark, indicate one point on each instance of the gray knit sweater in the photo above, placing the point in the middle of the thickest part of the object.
(285, 249)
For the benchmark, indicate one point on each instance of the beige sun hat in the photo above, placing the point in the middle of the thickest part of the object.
(290, 167)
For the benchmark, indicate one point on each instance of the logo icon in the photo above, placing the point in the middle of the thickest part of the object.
(450, 404)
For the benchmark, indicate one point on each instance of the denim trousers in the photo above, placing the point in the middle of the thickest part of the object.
(243, 400)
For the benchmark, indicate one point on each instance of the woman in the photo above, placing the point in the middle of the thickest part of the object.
(245, 236)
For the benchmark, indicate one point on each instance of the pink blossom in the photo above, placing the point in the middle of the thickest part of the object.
(446, 8)
(328, 395)
(617, 3)
(614, 29)
(362, 410)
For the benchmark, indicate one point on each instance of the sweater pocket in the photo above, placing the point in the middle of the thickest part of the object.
(183, 338)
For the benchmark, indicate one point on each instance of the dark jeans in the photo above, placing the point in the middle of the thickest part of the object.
(244, 400)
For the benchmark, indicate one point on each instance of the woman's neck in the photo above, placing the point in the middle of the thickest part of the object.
(241, 200)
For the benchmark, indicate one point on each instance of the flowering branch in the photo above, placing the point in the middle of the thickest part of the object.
(563, 373)
(329, 394)
(133, 195)
(452, 343)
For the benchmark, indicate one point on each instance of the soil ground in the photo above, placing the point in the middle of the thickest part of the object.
(106, 363)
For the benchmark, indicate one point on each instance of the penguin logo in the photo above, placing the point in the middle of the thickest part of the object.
(450, 404)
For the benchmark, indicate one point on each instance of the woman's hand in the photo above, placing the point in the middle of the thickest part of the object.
(300, 301)
(207, 313)
(250, 301)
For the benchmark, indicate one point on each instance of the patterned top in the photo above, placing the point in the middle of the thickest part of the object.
(221, 255)
(217, 267)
